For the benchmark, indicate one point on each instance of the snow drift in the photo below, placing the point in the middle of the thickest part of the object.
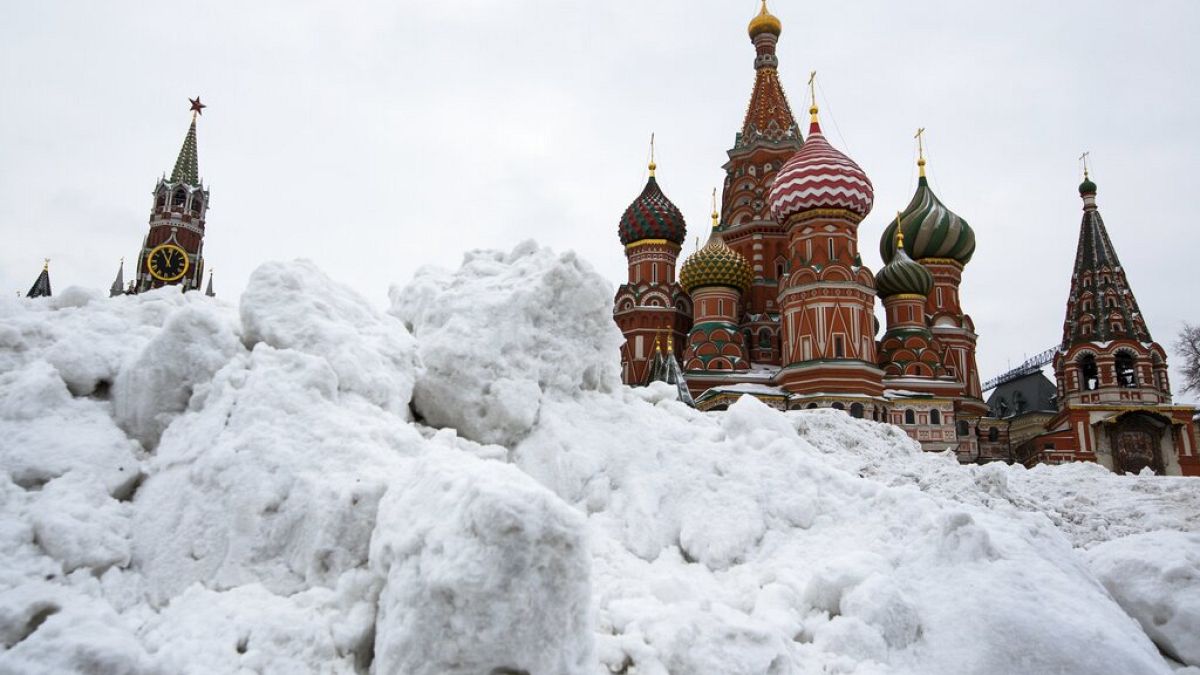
(188, 486)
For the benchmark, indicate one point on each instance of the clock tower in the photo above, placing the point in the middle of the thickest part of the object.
(173, 250)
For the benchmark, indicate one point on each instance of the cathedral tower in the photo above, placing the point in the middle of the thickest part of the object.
(943, 243)
(651, 302)
(828, 296)
(1113, 389)
(173, 250)
(717, 278)
(768, 137)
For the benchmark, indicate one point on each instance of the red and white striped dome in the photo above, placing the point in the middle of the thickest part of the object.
(820, 177)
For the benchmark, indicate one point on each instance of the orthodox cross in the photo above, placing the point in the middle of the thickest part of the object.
(920, 143)
(1084, 158)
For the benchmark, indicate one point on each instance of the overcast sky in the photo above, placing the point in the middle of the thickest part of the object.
(374, 137)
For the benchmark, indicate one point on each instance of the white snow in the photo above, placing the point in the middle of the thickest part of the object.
(187, 486)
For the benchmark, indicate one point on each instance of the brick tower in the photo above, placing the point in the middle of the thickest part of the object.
(1113, 390)
(173, 250)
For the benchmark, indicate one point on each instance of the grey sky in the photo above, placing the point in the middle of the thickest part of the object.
(373, 137)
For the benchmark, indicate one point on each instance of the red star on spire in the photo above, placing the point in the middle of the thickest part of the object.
(197, 106)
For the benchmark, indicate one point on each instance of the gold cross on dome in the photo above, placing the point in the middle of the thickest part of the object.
(920, 142)
(1084, 158)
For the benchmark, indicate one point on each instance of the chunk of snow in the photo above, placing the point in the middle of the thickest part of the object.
(485, 570)
(1155, 576)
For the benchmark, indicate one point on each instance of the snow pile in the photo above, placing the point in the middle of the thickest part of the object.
(1156, 578)
(192, 487)
(503, 333)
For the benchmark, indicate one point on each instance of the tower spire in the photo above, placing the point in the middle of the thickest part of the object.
(118, 284)
(920, 151)
(187, 168)
(813, 121)
(653, 166)
(41, 285)
(716, 217)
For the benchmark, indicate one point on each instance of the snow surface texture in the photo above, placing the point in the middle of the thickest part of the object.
(192, 487)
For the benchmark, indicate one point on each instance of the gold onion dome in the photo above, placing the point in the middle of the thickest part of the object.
(716, 265)
(765, 22)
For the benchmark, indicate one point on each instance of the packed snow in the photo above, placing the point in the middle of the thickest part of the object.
(460, 484)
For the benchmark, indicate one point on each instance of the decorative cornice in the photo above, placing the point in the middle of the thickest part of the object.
(813, 214)
(652, 242)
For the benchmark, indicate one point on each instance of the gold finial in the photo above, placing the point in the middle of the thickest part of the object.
(670, 343)
(899, 232)
(45, 264)
(653, 166)
(715, 216)
(921, 150)
(657, 342)
(812, 92)
(1084, 158)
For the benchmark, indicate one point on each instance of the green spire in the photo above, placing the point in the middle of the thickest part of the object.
(187, 168)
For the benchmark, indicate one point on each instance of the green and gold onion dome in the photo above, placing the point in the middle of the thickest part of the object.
(930, 229)
(716, 265)
(652, 216)
(765, 22)
(903, 275)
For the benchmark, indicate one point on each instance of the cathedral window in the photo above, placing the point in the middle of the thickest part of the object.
(1126, 370)
(910, 417)
(180, 199)
(654, 273)
(1089, 373)
(811, 406)
(1117, 327)
(994, 434)
(856, 410)
(935, 417)
(162, 200)
(196, 202)
(837, 405)
(832, 257)
(964, 428)
(938, 292)
(839, 347)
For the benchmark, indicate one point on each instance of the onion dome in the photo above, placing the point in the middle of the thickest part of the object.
(820, 177)
(903, 275)
(931, 229)
(1087, 187)
(765, 22)
(716, 265)
(652, 216)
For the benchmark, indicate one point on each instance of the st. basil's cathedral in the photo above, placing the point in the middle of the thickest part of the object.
(779, 305)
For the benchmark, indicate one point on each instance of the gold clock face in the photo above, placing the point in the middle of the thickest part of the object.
(167, 262)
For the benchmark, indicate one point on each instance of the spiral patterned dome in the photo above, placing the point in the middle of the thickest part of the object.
(765, 22)
(716, 265)
(652, 216)
(930, 230)
(903, 275)
(818, 176)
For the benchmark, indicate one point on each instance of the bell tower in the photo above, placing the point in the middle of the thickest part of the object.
(173, 250)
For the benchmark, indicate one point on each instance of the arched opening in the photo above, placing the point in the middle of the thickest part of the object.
(994, 434)
(1089, 374)
(856, 410)
(811, 406)
(179, 200)
(161, 202)
(1126, 369)
(935, 417)
(196, 203)
(910, 417)
(964, 428)
(838, 406)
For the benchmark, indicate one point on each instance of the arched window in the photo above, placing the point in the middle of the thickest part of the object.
(811, 406)
(935, 417)
(180, 199)
(856, 410)
(838, 406)
(162, 200)
(994, 434)
(1089, 375)
(910, 417)
(196, 203)
(1126, 369)
(964, 428)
